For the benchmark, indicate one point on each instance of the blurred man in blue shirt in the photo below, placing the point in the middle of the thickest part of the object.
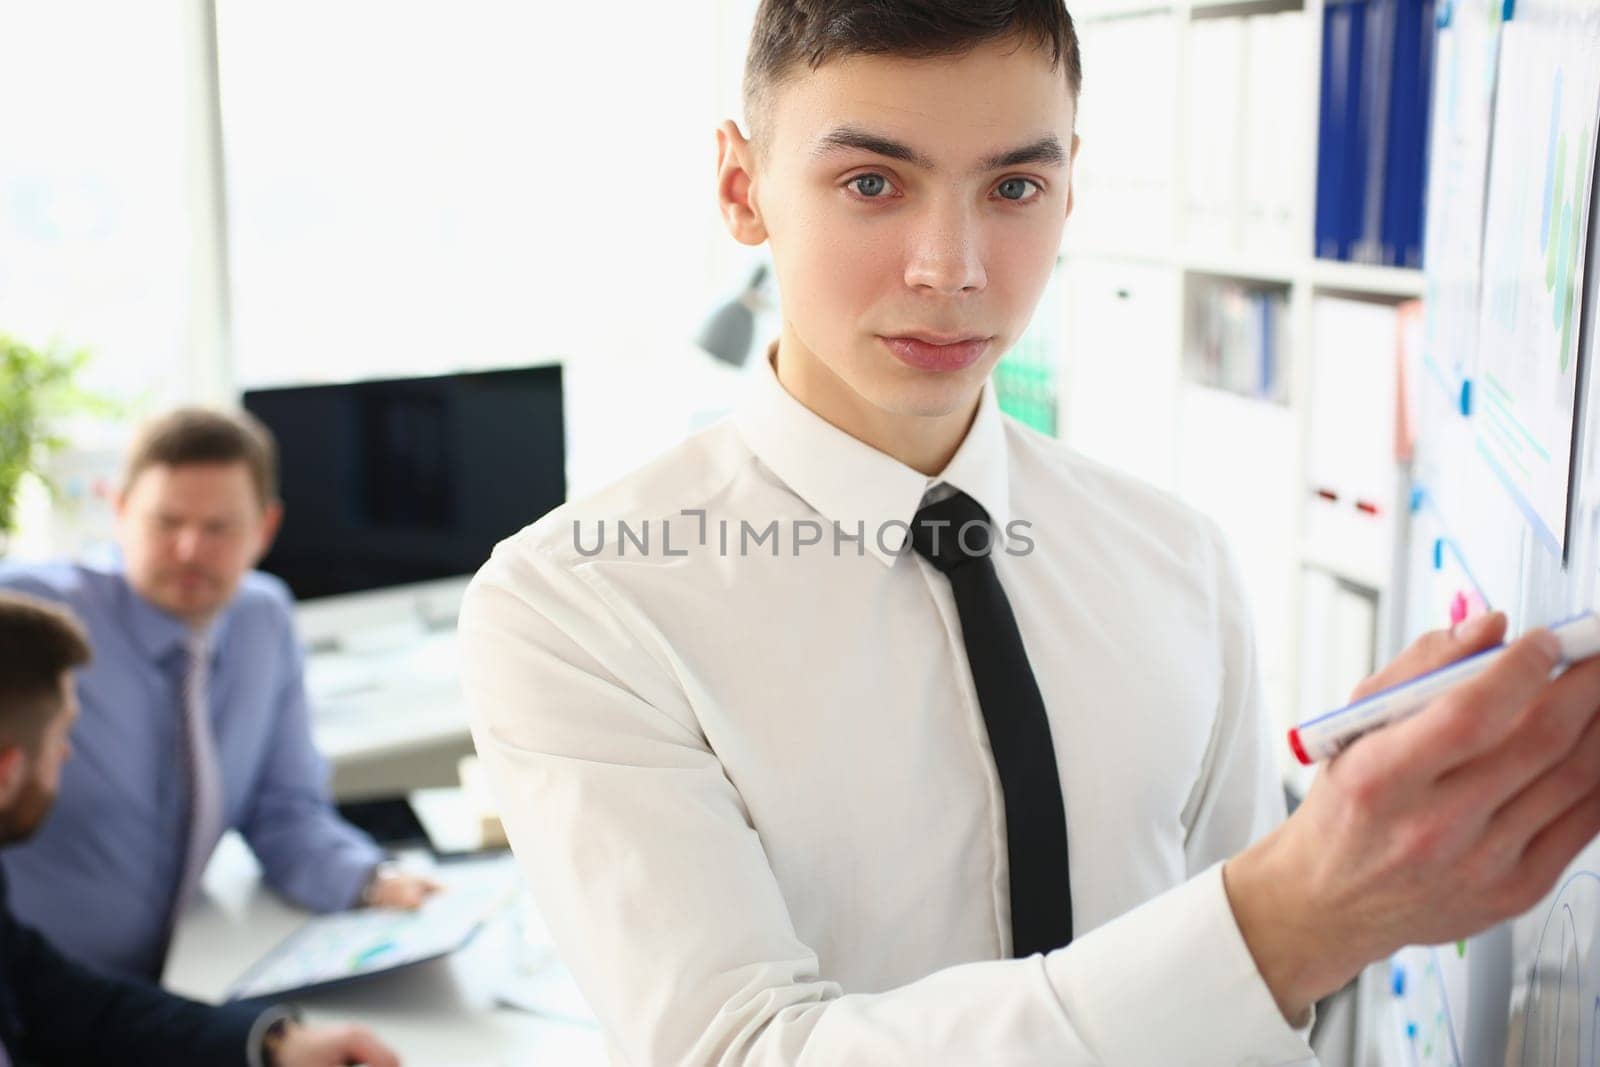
(54, 1012)
(194, 716)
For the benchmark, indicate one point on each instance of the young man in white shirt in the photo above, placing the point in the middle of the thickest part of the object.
(774, 763)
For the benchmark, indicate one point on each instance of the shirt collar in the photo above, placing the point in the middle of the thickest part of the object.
(848, 481)
(160, 633)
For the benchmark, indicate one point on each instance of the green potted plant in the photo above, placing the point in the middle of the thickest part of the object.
(37, 391)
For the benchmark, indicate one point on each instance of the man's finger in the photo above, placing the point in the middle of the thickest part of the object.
(1551, 758)
(1436, 649)
(1554, 848)
(362, 1047)
(1473, 717)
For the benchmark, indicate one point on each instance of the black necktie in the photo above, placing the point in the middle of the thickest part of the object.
(955, 535)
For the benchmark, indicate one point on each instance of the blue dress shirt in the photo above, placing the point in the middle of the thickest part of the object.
(100, 877)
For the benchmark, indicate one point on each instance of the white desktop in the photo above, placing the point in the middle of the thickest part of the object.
(502, 999)
(381, 673)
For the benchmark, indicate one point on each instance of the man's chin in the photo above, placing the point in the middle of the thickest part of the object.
(23, 820)
(190, 603)
(926, 395)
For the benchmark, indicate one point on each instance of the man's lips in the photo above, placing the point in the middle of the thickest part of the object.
(932, 352)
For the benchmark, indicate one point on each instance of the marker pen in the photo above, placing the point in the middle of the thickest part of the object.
(1328, 734)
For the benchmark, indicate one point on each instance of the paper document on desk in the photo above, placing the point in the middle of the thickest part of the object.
(331, 949)
(544, 986)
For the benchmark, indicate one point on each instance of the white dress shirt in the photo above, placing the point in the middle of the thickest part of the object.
(750, 784)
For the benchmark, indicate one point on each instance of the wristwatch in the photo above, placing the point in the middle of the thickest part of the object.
(286, 1018)
(379, 871)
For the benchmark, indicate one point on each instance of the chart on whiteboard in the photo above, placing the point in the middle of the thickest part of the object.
(1558, 1014)
(1546, 111)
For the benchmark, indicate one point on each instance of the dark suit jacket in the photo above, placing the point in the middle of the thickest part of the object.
(56, 1012)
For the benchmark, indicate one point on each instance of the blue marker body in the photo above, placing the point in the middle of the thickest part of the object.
(1329, 734)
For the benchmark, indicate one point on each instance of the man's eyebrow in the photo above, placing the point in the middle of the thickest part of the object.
(1046, 150)
(842, 138)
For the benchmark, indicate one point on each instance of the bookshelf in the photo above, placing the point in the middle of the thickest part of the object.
(1143, 248)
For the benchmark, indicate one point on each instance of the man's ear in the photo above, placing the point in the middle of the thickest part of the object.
(271, 521)
(13, 772)
(735, 185)
(1072, 171)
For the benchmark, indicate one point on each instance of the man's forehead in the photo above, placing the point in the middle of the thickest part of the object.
(951, 111)
(194, 482)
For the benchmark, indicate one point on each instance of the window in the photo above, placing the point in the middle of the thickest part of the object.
(93, 223)
(415, 188)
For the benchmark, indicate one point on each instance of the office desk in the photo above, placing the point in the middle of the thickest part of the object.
(445, 1013)
(389, 718)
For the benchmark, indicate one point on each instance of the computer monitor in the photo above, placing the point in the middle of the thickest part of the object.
(395, 491)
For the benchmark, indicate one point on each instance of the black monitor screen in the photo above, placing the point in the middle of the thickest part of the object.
(391, 482)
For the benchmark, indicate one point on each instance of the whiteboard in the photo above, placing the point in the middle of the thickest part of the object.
(1508, 467)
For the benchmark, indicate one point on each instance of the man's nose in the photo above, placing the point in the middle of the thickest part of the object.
(946, 251)
(187, 545)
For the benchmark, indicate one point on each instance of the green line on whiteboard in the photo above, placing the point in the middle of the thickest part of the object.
(1564, 289)
(1551, 238)
(1566, 293)
(1521, 466)
(1511, 458)
(1504, 428)
(1516, 423)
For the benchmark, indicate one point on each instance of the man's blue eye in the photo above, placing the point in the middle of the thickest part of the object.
(869, 185)
(1015, 188)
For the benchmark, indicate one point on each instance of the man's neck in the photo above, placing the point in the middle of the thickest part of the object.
(194, 623)
(924, 443)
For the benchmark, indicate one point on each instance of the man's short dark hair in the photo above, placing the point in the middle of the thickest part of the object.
(202, 435)
(789, 33)
(39, 643)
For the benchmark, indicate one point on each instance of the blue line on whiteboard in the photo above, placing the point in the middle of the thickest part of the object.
(1549, 539)
(1456, 386)
(1455, 550)
(1430, 502)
